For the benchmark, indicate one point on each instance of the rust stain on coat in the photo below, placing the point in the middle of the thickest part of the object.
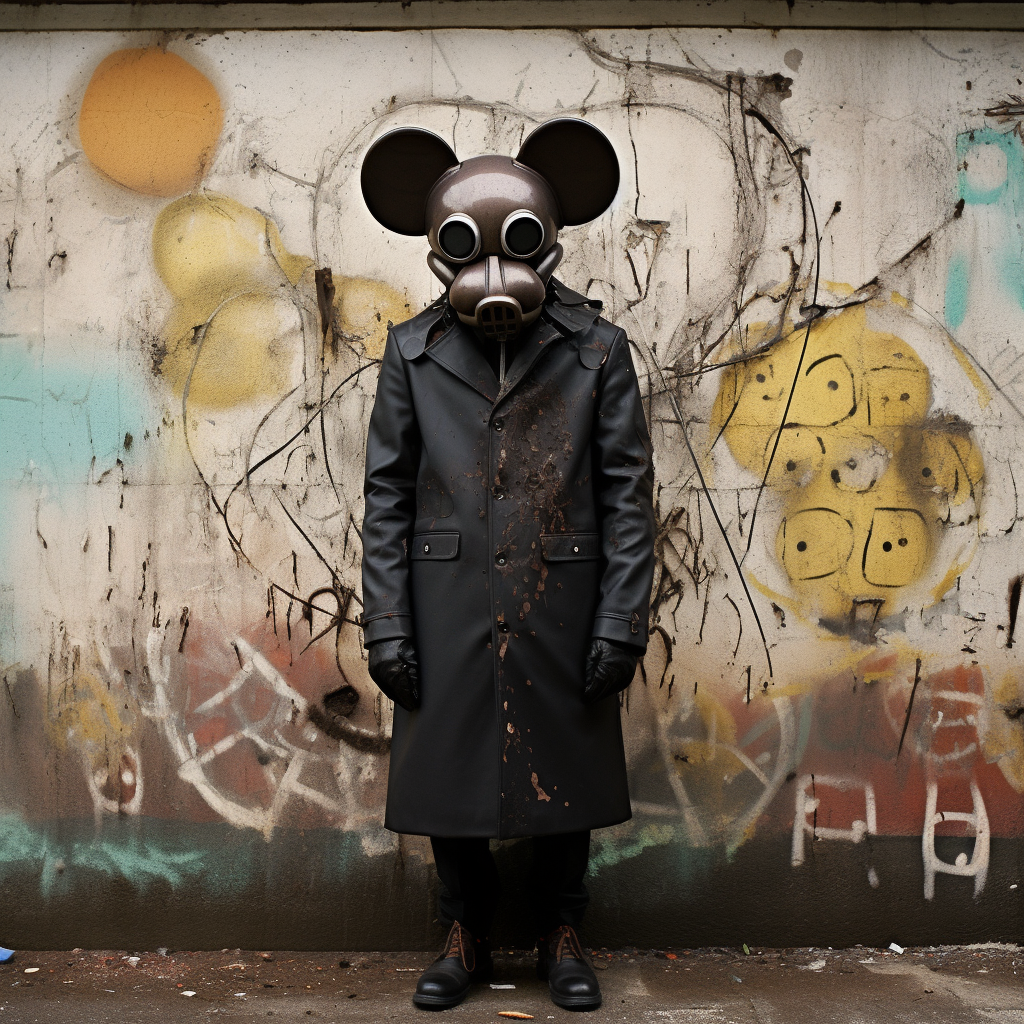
(541, 795)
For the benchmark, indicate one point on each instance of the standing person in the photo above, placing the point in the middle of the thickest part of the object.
(508, 539)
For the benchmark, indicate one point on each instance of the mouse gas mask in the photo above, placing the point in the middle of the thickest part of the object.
(492, 221)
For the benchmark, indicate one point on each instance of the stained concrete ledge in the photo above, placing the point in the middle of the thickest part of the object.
(981, 985)
(420, 14)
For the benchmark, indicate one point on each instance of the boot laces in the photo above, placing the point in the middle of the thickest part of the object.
(457, 946)
(567, 944)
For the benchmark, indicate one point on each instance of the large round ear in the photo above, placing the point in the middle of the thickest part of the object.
(579, 163)
(399, 170)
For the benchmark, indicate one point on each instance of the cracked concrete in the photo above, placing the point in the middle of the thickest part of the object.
(938, 985)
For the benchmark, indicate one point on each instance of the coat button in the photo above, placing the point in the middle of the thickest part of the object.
(499, 493)
(500, 558)
(576, 549)
(426, 549)
(499, 425)
(503, 627)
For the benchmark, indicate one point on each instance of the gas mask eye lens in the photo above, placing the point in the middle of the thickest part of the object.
(522, 234)
(459, 238)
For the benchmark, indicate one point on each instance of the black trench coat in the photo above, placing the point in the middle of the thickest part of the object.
(502, 531)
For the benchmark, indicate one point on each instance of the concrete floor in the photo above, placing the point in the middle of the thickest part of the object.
(940, 985)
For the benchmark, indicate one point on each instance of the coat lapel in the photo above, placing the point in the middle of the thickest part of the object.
(459, 353)
(570, 315)
(538, 339)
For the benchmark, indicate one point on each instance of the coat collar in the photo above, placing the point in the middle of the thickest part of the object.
(569, 309)
(459, 352)
(567, 314)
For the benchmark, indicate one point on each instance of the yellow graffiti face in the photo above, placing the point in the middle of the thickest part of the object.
(150, 121)
(867, 478)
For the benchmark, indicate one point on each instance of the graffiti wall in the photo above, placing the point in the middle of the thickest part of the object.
(817, 252)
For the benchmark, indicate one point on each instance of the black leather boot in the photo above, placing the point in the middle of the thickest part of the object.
(447, 980)
(571, 980)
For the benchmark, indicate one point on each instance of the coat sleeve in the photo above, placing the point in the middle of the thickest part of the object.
(624, 479)
(392, 463)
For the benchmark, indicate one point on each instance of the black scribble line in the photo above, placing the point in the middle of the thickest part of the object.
(747, 357)
(200, 338)
(298, 433)
(728, 419)
(1014, 606)
(636, 277)
(652, 362)
(586, 99)
(870, 289)
(704, 614)
(336, 619)
(814, 819)
(323, 436)
(245, 480)
(945, 56)
(183, 622)
(636, 169)
(910, 707)
(740, 617)
(1016, 500)
(10, 240)
(353, 528)
(256, 162)
(305, 537)
(10, 696)
(771, 129)
(608, 61)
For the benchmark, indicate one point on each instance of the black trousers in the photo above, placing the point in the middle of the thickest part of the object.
(470, 882)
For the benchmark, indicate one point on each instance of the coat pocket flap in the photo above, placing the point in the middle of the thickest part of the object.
(570, 547)
(440, 546)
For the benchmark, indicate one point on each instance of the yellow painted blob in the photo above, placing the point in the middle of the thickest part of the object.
(363, 309)
(868, 476)
(208, 247)
(150, 121)
(246, 351)
(234, 333)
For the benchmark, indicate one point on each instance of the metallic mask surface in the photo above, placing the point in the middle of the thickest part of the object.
(492, 221)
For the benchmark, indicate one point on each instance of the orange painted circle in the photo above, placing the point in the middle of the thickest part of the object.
(150, 121)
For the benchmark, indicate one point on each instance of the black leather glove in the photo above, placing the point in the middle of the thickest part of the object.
(610, 668)
(396, 670)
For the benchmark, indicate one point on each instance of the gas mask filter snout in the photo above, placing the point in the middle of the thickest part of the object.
(496, 293)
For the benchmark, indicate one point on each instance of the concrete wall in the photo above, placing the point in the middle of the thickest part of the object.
(819, 231)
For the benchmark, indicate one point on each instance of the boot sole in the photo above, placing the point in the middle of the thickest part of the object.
(577, 1002)
(425, 1002)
